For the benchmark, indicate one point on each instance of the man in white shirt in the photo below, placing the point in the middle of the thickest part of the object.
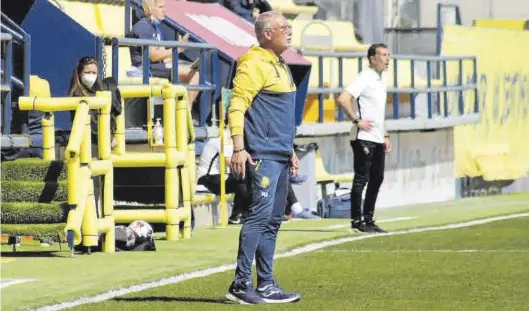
(363, 101)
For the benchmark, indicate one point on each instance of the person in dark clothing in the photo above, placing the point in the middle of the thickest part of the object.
(262, 124)
(85, 83)
(247, 9)
(208, 175)
(148, 28)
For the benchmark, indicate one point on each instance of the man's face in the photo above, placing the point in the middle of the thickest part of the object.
(380, 61)
(158, 9)
(280, 34)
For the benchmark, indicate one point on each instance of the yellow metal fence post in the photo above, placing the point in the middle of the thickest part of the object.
(48, 137)
(225, 100)
(185, 179)
(89, 224)
(106, 221)
(120, 130)
(171, 170)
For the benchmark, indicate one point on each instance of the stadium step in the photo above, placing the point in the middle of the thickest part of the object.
(34, 191)
(34, 195)
(34, 170)
(34, 213)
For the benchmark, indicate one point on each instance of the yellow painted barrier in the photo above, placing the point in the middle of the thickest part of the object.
(225, 102)
(77, 133)
(182, 108)
(75, 216)
(496, 148)
(100, 167)
(191, 152)
(133, 91)
(89, 226)
(171, 171)
(53, 104)
(82, 220)
(120, 131)
(176, 158)
(48, 137)
(145, 159)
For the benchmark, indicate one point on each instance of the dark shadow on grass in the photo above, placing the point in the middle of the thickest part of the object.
(10, 254)
(312, 230)
(175, 299)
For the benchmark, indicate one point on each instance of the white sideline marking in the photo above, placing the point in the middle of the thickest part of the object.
(10, 282)
(378, 221)
(412, 251)
(297, 251)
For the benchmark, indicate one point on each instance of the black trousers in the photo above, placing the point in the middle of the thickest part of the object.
(291, 199)
(165, 73)
(241, 201)
(369, 158)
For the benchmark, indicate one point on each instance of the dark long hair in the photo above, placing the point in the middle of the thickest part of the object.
(77, 88)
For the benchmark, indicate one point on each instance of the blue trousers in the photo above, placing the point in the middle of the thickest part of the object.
(268, 183)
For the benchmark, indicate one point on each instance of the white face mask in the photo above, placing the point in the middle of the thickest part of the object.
(89, 79)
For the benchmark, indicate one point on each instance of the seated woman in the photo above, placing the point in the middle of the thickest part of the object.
(85, 83)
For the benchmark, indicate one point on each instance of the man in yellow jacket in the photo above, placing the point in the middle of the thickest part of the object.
(262, 124)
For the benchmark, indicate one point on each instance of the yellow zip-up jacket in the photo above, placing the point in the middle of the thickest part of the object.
(263, 105)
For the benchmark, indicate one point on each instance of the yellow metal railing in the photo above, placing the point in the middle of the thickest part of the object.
(176, 158)
(82, 224)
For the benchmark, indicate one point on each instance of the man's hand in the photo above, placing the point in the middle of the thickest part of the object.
(387, 145)
(294, 165)
(184, 38)
(365, 125)
(113, 143)
(238, 163)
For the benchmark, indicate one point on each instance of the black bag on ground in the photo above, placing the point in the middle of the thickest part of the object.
(127, 241)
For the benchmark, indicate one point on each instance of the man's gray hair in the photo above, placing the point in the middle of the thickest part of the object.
(265, 21)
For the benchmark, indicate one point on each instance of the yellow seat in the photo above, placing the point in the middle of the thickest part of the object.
(344, 36)
(290, 8)
(102, 20)
(342, 33)
(322, 176)
(311, 112)
(112, 19)
(39, 87)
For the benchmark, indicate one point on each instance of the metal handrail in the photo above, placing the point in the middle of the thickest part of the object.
(396, 90)
(12, 23)
(21, 37)
(401, 57)
(174, 45)
(7, 87)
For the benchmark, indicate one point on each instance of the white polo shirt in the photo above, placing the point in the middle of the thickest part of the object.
(209, 158)
(369, 90)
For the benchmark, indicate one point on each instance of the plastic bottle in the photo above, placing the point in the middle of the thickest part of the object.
(157, 132)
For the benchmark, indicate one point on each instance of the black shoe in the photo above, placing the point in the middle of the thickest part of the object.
(245, 295)
(371, 226)
(272, 293)
(358, 226)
